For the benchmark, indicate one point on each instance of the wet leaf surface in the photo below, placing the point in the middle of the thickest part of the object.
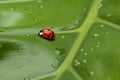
(86, 47)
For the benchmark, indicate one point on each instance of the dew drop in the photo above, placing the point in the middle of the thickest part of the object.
(41, 6)
(84, 8)
(106, 32)
(109, 15)
(26, 79)
(63, 37)
(54, 65)
(97, 46)
(59, 51)
(99, 43)
(61, 28)
(84, 61)
(91, 73)
(109, 79)
(91, 49)
(81, 49)
(76, 62)
(35, 19)
(27, 34)
(20, 49)
(100, 5)
(85, 53)
(77, 22)
(96, 35)
(13, 8)
(101, 25)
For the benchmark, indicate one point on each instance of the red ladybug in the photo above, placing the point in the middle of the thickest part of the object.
(47, 33)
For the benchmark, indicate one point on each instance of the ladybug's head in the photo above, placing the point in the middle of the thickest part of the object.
(40, 33)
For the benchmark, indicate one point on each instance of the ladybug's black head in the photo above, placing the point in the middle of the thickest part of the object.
(40, 33)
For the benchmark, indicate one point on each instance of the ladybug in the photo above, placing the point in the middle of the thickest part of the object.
(47, 33)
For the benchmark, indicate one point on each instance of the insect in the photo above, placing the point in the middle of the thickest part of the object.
(47, 33)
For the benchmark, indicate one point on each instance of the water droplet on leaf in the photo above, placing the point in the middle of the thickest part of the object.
(59, 51)
(101, 25)
(84, 61)
(81, 49)
(35, 19)
(106, 32)
(109, 79)
(54, 65)
(84, 8)
(76, 21)
(100, 6)
(91, 49)
(63, 36)
(99, 43)
(61, 28)
(85, 53)
(27, 34)
(26, 79)
(109, 15)
(91, 73)
(96, 35)
(13, 8)
(76, 62)
(20, 49)
(41, 6)
(97, 46)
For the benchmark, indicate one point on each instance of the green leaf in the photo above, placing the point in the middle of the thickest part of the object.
(86, 47)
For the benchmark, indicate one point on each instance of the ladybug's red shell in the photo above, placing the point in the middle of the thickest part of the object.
(47, 33)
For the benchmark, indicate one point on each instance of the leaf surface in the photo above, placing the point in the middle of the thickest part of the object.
(86, 47)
